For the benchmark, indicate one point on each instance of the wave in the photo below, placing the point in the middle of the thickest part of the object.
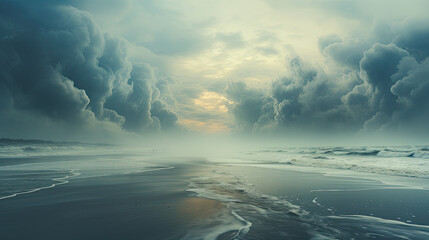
(16, 151)
(10, 148)
(59, 181)
(388, 169)
(408, 161)
(382, 151)
(365, 153)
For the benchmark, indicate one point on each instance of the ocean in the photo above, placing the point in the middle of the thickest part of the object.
(54, 190)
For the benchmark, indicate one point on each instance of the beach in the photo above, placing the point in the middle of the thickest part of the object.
(151, 196)
(214, 120)
(124, 206)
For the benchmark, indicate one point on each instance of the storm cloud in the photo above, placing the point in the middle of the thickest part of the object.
(124, 67)
(376, 86)
(56, 63)
(251, 108)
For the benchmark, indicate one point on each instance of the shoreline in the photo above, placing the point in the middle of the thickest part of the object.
(190, 198)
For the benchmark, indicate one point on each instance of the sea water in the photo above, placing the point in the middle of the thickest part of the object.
(268, 193)
(324, 192)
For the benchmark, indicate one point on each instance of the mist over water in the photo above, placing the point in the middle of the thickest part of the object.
(248, 192)
(214, 120)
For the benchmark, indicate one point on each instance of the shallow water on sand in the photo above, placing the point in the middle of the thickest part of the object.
(162, 196)
(276, 204)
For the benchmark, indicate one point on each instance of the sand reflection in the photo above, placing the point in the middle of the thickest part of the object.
(199, 208)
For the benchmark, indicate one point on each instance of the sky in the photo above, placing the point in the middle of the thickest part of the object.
(106, 69)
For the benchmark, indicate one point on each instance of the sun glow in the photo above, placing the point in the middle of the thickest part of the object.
(212, 101)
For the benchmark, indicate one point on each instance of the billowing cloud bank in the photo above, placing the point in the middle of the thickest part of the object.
(372, 85)
(57, 68)
(65, 72)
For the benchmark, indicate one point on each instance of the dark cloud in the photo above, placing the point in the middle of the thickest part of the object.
(60, 72)
(412, 89)
(251, 108)
(413, 36)
(344, 52)
(377, 66)
(160, 111)
(56, 63)
(310, 99)
(306, 99)
(376, 87)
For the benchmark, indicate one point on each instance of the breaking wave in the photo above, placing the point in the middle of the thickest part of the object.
(408, 161)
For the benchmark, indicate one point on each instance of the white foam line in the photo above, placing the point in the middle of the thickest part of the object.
(63, 180)
(359, 189)
(315, 202)
(244, 229)
(382, 220)
(396, 180)
(60, 181)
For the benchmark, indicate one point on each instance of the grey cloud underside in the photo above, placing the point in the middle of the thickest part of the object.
(378, 85)
(59, 72)
(56, 63)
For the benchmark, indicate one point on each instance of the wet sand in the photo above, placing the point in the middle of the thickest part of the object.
(147, 205)
(333, 207)
(334, 195)
(199, 200)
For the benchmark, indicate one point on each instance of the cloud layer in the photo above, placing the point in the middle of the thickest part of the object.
(376, 85)
(114, 67)
(56, 64)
